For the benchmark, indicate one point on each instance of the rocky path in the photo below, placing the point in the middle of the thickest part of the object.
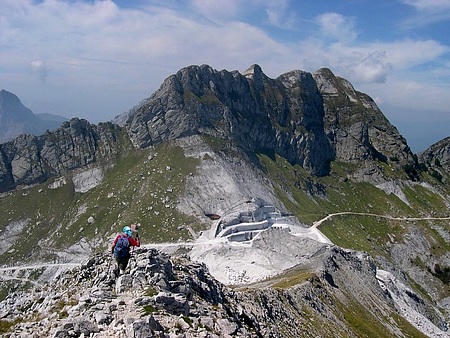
(38, 266)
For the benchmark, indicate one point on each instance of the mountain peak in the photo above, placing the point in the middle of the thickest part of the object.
(256, 74)
(8, 98)
(17, 119)
(253, 70)
(12, 108)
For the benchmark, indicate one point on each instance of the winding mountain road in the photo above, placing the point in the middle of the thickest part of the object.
(326, 218)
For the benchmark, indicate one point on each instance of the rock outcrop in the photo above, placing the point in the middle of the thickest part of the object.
(171, 296)
(436, 161)
(356, 128)
(438, 154)
(77, 144)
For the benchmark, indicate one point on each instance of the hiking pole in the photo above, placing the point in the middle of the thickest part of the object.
(135, 228)
(108, 271)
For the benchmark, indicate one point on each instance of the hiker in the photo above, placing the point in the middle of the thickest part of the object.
(121, 247)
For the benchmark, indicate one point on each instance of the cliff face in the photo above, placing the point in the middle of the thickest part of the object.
(255, 112)
(438, 154)
(310, 119)
(354, 124)
(32, 159)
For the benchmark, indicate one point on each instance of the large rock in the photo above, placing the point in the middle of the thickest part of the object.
(438, 154)
(357, 130)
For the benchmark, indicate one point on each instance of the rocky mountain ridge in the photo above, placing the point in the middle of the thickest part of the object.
(30, 159)
(310, 119)
(170, 296)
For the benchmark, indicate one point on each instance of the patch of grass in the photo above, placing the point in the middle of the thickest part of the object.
(188, 320)
(365, 324)
(216, 144)
(6, 325)
(143, 189)
(426, 200)
(364, 233)
(311, 198)
(149, 309)
(291, 278)
(36, 273)
(151, 291)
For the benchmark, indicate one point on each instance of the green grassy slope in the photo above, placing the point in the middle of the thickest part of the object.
(142, 188)
(371, 228)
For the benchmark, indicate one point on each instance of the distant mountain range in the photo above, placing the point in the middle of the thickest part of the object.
(16, 119)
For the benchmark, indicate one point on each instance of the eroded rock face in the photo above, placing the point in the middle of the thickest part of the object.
(311, 119)
(258, 113)
(32, 159)
(436, 161)
(356, 128)
(438, 154)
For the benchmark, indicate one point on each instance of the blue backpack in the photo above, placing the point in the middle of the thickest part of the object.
(122, 247)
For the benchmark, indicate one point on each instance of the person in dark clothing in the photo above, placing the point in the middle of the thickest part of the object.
(121, 248)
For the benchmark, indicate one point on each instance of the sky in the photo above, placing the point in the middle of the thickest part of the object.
(97, 59)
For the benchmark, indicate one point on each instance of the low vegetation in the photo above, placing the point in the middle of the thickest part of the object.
(142, 187)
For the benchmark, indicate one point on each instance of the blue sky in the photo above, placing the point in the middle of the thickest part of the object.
(96, 59)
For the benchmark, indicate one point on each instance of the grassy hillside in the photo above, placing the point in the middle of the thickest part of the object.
(142, 187)
(407, 235)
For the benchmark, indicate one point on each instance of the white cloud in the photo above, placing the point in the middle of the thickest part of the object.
(372, 68)
(428, 4)
(417, 96)
(40, 69)
(89, 46)
(278, 14)
(410, 53)
(217, 8)
(428, 12)
(337, 26)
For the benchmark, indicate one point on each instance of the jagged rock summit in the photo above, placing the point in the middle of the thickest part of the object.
(438, 153)
(310, 119)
